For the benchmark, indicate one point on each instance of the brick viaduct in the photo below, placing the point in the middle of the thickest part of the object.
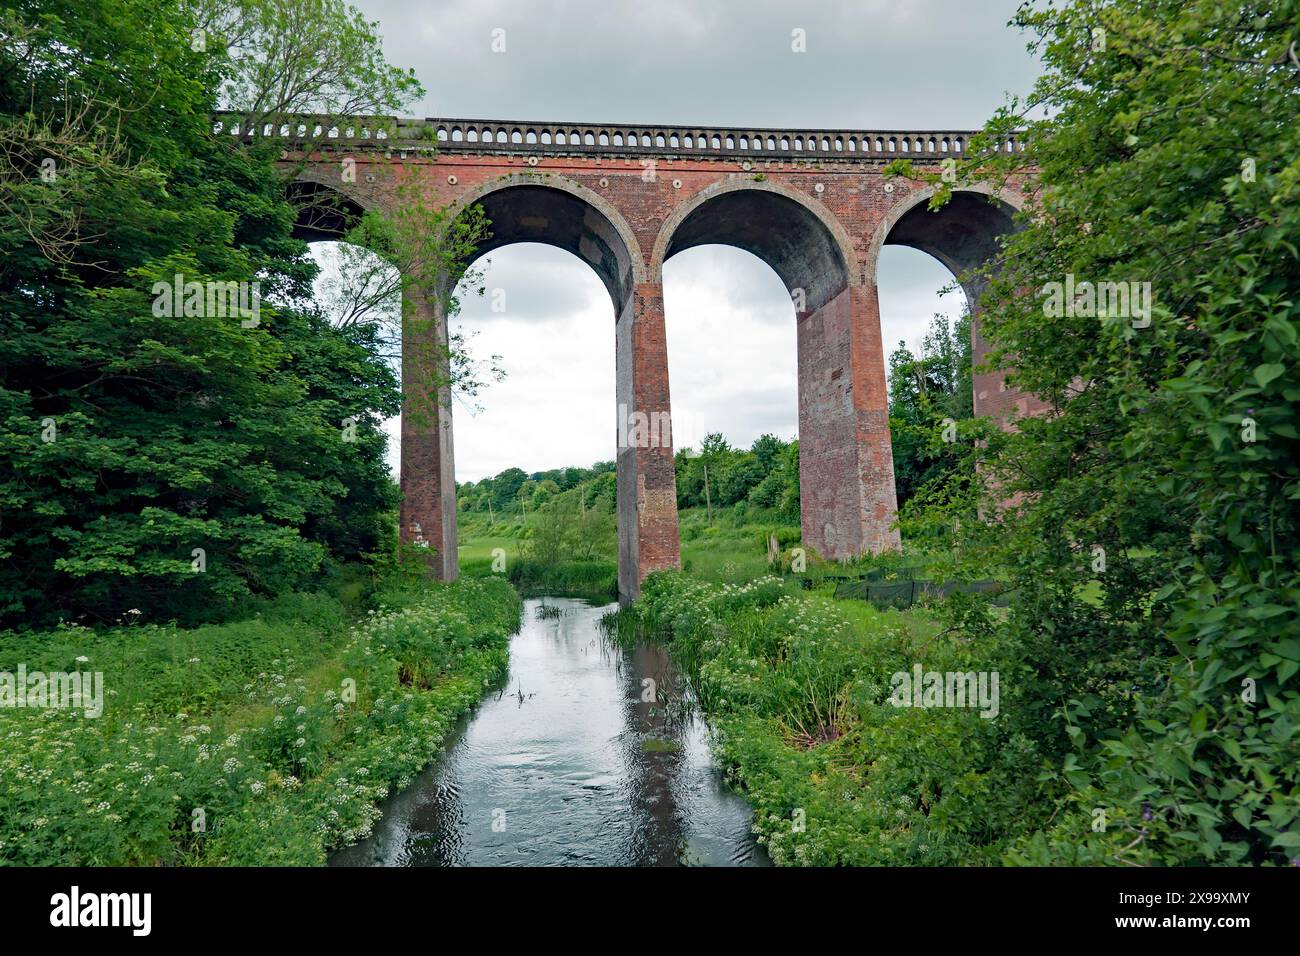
(813, 205)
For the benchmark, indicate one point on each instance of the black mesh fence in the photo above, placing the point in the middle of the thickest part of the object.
(904, 594)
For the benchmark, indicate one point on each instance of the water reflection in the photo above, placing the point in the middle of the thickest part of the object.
(587, 754)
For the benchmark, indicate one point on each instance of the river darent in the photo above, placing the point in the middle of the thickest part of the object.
(586, 754)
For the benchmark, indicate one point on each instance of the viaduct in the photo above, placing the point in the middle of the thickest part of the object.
(813, 204)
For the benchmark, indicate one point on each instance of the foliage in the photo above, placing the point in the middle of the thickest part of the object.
(927, 394)
(766, 476)
(567, 530)
(515, 490)
(592, 578)
(171, 464)
(1164, 687)
(376, 274)
(797, 693)
(302, 56)
(252, 723)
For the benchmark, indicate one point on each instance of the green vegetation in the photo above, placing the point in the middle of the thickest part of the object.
(589, 579)
(926, 394)
(175, 456)
(717, 476)
(797, 691)
(263, 741)
(1166, 706)
(183, 426)
(1148, 712)
(554, 550)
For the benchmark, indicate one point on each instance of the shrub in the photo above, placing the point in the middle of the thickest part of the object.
(243, 743)
(797, 693)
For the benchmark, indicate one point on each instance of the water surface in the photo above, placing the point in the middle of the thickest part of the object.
(574, 760)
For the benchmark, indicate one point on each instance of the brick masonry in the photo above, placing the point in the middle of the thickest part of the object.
(820, 223)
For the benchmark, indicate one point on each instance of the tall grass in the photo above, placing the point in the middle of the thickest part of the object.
(263, 741)
(589, 579)
(797, 689)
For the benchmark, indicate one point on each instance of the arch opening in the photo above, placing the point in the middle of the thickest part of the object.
(323, 212)
(555, 217)
(355, 286)
(543, 309)
(963, 235)
(716, 293)
(781, 231)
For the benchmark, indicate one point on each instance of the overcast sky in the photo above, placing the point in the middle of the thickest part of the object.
(875, 64)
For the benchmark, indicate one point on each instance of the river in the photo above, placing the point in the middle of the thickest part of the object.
(586, 754)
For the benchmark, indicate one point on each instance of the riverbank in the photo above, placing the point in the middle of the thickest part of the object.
(259, 742)
(801, 692)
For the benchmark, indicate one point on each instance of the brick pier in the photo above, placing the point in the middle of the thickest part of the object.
(812, 204)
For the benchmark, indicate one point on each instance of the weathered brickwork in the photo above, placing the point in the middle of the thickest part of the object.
(647, 483)
(624, 204)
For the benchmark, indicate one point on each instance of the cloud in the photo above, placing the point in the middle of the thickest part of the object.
(909, 284)
(542, 283)
(870, 64)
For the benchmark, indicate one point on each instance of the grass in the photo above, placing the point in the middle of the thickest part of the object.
(797, 690)
(473, 550)
(262, 741)
(587, 579)
(499, 549)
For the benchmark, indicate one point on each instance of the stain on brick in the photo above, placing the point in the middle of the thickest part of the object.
(603, 210)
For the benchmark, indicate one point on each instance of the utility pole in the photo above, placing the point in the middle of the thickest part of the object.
(708, 502)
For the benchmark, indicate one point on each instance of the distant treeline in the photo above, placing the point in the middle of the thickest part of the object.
(766, 475)
(925, 390)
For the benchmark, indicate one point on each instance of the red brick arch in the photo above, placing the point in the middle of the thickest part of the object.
(636, 259)
(748, 184)
(963, 237)
(647, 188)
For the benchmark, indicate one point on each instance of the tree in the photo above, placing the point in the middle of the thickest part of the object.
(925, 394)
(505, 487)
(301, 56)
(767, 449)
(156, 460)
(1166, 474)
(322, 57)
(565, 531)
(545, 490)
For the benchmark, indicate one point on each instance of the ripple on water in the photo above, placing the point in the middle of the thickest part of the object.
(565, 765)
